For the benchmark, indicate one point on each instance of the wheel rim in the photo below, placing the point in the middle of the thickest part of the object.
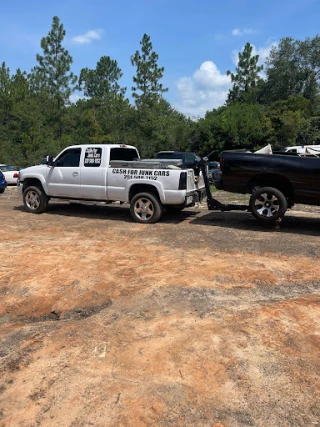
(32, 200)
(143, 209)
(267, 205)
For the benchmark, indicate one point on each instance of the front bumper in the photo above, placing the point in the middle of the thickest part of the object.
(20, 187)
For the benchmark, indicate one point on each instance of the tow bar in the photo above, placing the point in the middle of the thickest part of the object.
(213, 204)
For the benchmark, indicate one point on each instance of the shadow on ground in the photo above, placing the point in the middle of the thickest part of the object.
(296, 224)
(244, 221)
(109, 212)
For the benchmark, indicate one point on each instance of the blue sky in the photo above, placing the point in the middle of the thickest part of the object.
(197, 40)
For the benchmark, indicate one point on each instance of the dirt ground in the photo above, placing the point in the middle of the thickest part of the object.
(203, 319)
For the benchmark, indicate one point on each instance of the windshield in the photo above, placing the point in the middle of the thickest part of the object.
(213, 164)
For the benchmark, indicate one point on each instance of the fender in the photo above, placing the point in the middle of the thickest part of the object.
(157, 184)
(39, 173)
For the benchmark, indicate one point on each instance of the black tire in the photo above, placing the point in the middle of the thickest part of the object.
(146, 208)
(2, 190)
(268, 204)
(35, 200)
(174, 208)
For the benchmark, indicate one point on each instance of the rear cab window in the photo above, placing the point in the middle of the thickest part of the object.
(126, 154)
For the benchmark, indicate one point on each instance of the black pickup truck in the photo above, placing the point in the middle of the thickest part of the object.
(275, 181)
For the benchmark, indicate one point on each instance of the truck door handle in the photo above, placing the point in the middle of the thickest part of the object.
(75, 174)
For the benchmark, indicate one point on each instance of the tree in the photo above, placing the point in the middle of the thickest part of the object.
(148, 88)
(246, 79)
(288, 118)
(240, 125)
(293, 68)
(5, 93)
(103, 80)
(54, 66)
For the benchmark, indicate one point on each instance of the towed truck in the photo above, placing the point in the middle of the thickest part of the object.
(106, 173)
(276, 181)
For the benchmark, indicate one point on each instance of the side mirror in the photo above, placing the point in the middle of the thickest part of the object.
(49, 161)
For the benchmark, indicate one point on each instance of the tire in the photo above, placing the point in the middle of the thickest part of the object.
(2, 190)
(146, 208)
(173, 209)
(35, 200)
(268, 204)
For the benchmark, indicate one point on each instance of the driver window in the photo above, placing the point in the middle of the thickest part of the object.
(70, 158)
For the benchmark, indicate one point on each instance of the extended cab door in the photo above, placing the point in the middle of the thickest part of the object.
(64, 176)
(118, 176)
(94, 174)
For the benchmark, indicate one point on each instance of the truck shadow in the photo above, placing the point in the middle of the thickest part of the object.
(296, 224)
(112, 212)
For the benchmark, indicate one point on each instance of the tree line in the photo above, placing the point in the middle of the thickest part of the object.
(277, 105)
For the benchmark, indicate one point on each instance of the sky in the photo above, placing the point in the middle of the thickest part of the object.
(197, 40)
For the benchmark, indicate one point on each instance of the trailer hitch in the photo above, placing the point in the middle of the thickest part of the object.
(214, 204)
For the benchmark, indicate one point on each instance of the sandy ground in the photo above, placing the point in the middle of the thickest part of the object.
(203, 319)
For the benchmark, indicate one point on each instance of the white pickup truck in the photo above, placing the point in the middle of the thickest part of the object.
(108, 173)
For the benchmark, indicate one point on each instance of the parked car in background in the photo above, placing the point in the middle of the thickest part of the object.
(3, 183)
(304, 150)
(11, 174)
(214, 172)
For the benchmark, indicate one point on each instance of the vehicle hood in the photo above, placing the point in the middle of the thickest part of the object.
(33, 170)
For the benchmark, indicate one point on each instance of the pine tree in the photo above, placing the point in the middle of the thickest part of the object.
(246, 78)
(147, 89)
(54, 66)
(103, 80)
(5, 93)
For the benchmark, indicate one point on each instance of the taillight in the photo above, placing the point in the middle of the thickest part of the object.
(183, 181)
(15, 175)
(221, 163)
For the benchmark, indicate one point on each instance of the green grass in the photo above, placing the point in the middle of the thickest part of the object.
(213, 189)
(226, 197)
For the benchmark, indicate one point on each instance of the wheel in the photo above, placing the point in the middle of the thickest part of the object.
(174, 208)
(2, 190)
(267, 204)
(35, 200)
(146, 208)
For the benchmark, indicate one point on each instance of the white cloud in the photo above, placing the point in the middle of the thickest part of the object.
(74, 97)
(88, 37)
(263, 51)
(209, 76)
(206, 89)
(244, 32)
